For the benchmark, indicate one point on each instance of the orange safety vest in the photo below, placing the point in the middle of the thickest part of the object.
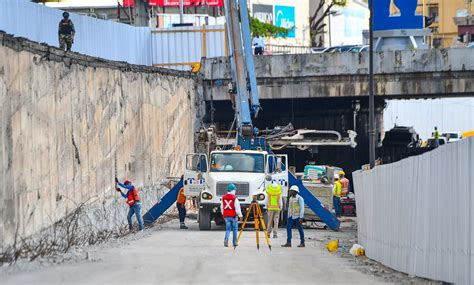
(132, 197)
(181, 198)
(344, 186)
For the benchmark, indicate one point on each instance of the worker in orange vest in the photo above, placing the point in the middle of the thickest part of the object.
(180, 204)
(344, 183)
(133, 201)
(230, 209)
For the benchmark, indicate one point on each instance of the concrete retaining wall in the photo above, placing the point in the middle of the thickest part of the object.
(66, 119)
(416, 215)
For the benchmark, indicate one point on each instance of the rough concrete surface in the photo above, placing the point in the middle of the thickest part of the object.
(66, 122)
(398, 74)
(166, 255)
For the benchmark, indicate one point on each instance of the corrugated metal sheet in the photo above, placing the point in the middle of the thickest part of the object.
(183, 46)
(416, 215)
(105, 39)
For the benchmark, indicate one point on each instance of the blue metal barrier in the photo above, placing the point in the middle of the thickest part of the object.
(169, 199)
(314, 204)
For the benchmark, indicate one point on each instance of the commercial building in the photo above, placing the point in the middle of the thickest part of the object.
(444, 12)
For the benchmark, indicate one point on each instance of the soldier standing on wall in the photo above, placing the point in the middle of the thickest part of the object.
(66, 32)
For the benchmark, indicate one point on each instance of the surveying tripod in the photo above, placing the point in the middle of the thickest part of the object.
(258, 220)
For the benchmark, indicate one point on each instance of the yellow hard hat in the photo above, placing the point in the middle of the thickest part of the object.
(342, 173)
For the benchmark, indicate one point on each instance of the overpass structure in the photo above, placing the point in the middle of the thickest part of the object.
(416, 74)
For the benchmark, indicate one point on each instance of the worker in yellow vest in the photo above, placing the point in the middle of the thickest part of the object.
(274, 204)
(344, 183)
(336, 196)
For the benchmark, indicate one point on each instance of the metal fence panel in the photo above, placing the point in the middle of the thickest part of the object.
(105, 39)
(415, 215)
(182, 47)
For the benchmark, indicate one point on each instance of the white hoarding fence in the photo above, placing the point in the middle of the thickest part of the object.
(183, 47)
(416, 215)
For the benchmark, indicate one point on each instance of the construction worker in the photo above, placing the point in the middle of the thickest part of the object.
(436, 136)
(133, 202)
(230, 209)
(274, 204)
(295, 216)
(180, 204)
(336, 196)
(344, 183)
(66, 32)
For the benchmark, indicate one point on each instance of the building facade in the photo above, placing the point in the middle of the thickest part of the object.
(444, 28)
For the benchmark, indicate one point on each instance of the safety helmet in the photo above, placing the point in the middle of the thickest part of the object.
(126, 182)
(342, 173)
(295, 188)
(231, 187)
(275, 184)
(66, 15)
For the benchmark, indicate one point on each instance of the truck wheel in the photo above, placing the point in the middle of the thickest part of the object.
(204, 220)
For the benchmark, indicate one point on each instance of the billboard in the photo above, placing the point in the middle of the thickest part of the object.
(264, 13)
(285, 18)
(396, 15)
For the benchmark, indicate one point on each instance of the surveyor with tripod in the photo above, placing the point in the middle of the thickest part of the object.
(230, 209)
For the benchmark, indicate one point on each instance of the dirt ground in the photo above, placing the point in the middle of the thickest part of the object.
(164, 254)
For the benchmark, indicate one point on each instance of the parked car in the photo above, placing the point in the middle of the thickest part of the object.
(345, 48)
(452, 136)
(318, 49)
(358, 49)
(471, 45)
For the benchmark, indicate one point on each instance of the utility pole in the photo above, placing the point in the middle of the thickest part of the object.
(371, 87)
(181, 11)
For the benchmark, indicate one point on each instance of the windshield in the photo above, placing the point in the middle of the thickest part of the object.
(237, 162)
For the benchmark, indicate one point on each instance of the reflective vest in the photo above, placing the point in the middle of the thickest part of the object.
(132, 197)
(273, 201)
(344, 185)
(337, 189)
(228, 202)
(294, 206)
(181, 198)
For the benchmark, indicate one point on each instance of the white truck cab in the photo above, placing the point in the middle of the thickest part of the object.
(208, 178)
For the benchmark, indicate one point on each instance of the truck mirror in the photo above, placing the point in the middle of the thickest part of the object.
(278, 164)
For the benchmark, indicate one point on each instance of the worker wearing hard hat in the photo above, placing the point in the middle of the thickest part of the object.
(295, 216)
(344, 183)
(274, 204)
(230, 209)
(336, 196)
(133, 202)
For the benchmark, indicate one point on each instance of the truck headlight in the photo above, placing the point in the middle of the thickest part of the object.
(206, 196)
(260, 197)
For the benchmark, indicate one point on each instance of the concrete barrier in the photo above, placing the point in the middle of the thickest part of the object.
(416, 215)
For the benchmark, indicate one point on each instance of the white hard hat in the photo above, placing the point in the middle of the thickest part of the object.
(274, 184)
(295, 188)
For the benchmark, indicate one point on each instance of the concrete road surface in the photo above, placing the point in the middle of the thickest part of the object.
(172, 256)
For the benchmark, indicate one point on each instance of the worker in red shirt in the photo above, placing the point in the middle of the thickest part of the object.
(230, 209)
(133, 202)
(180, 204)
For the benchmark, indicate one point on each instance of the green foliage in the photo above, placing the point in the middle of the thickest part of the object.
(266, 30)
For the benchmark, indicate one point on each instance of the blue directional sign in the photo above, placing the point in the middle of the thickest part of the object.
(396, 15)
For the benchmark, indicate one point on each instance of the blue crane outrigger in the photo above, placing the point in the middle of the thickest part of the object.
(247, 106)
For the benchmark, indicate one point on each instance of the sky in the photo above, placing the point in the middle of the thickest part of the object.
(456, 114)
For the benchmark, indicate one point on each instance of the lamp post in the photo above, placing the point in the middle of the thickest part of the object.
(371, 87)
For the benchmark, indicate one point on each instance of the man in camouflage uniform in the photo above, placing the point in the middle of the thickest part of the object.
(66, 32)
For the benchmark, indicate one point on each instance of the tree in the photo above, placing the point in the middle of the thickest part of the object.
(317, 20)
(266, 29)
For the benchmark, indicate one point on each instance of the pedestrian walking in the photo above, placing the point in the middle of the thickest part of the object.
(180, 204)
(230, 209)
(295, 216)
(274, 204)
(133, 201)
(66, 32)
(336, 196)
(258, 44)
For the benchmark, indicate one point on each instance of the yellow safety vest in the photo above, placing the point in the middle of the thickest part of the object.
(337, 189)
(273, 201)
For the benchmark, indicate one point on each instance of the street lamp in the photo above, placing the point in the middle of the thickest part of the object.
(371, 87)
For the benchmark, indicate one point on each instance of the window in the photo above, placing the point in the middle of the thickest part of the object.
(433, 13)
(437, 42)
(237, 162)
